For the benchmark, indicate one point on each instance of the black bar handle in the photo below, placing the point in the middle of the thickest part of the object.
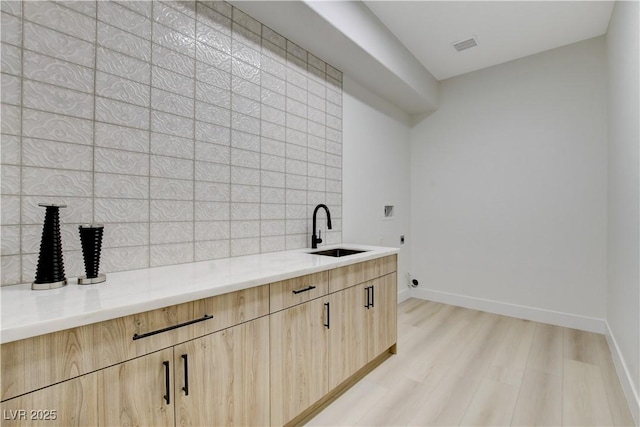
(326, 304)
(367, 292)
(304, 290)
(186, 375)
(373, 296)
(167, 396)
(170, 328)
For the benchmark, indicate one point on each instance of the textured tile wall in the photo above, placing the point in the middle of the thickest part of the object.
(191, 130)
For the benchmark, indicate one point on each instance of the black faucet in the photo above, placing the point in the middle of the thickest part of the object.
(317, 239)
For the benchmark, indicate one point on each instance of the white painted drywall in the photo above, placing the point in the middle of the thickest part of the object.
(509, 184)
(375, 173)
(349, 36)
(356, 21)
(623, 292)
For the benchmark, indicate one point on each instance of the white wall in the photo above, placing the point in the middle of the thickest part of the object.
(623, 293)
(509, 187)
(359, 24)
(375, 173)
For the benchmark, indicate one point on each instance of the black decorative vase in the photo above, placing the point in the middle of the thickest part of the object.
(50, 270)
(91, 240)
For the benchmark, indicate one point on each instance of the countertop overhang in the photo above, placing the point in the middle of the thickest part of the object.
(27, 313)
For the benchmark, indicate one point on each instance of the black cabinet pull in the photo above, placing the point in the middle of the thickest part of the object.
(167, 390)
(186, 375)
(304, 290)
(373, 296)
(169, 328)
(326, 304)
(367, 292)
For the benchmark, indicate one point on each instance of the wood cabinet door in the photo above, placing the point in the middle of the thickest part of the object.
(223, 378)
(299, 359)
(138, 392)
(70, 403)
(382, 320)
(347, 333)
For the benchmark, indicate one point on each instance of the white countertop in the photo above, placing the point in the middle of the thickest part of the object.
(27, 313)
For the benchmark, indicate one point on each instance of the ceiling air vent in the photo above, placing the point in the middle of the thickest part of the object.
(465, 44)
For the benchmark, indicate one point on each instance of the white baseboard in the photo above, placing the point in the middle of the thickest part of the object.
(558, 318)
(630, 392)
(403, 295)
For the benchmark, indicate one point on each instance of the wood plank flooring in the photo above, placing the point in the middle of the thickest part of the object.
(457, 366)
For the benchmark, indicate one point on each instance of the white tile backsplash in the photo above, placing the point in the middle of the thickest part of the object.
(171, 124)
(171, 189)
(212, 230)
(209, 36)
(120, 186)
(11, 87)
(121, 210)
(212, 211)
(174, 19)
(121, 65)
(10, 212)
(55, 71)
(45, 97)
(212, 192)
(207, 250)
(10, 240)
(123, 41)
(121, 113)
(174, 40)
(43, 153)
(171, 145)
(11, 28)
(56, 182)
(124, 19)
(61, 19)
(10, 149)
(121, 89)
(11, 61)
(171, 210)
(117, 235)
(189, 129)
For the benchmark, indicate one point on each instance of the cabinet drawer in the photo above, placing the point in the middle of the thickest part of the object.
(37, 362)
(157, 329)
(40, 361)
(354, 274)
(287, 293)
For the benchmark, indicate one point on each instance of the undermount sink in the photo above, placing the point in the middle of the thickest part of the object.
(337, 252)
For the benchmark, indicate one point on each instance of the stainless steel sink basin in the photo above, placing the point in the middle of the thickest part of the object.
(337, 252)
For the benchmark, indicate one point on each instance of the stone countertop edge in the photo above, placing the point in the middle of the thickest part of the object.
(28, 313)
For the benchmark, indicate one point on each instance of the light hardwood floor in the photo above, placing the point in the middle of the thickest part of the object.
(457, 366)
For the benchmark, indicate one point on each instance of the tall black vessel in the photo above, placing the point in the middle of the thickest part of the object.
(91, 240)
(50, 270)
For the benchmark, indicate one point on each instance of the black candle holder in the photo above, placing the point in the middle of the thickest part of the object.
(50, 270)
(91, 240)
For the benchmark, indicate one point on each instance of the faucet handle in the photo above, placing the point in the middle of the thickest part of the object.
(319, 238)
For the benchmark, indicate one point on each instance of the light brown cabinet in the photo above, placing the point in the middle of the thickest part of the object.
(264, 355)
(299, 359)
(145, 386)
(223, 378)
(363, 326)
(71, 403)
(219, 379)
(381, 323)
(347, 340)
(138, 392)
(318, 345)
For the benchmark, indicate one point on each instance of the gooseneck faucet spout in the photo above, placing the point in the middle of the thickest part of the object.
(317, 239)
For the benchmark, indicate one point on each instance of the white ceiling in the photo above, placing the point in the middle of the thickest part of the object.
(505, 30)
